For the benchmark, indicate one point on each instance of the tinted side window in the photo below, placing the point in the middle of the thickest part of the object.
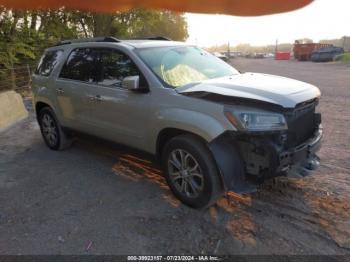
(48, 62)
(115, 66)
(80, 65)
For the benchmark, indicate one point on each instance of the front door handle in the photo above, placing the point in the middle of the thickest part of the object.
(59, 91)
(96, 98)
(91, 98)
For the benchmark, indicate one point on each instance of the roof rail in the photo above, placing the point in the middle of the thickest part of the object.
(84, 40)
(159, 38)
(162, 38)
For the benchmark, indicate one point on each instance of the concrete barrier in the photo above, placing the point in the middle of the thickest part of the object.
(11, 108)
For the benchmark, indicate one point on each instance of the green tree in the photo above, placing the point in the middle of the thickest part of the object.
(134, 23)
(144, 23)
(25, 34)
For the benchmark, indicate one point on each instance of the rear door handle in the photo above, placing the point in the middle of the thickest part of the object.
(59, 91)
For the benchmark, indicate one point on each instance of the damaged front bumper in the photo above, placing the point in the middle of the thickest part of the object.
(246, 160)
(302, 160)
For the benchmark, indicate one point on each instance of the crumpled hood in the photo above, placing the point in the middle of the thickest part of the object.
(273, 89)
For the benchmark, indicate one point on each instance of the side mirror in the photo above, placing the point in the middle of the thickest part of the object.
(131, 83)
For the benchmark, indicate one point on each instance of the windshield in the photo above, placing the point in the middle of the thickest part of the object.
(179, 66)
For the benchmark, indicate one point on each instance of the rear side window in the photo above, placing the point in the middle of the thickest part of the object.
(48, 62)
(80, 65)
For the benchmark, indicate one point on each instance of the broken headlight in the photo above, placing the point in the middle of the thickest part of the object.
(257, 121)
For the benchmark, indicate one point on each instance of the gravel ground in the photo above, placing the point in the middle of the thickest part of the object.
(100, 199)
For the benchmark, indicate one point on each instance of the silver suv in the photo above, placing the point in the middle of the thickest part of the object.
(212, 128)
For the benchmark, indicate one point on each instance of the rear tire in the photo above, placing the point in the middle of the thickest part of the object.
(54, 136)
(191, 171)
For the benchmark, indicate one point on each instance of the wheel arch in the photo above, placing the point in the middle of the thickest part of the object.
(166, 134)
(39, 106)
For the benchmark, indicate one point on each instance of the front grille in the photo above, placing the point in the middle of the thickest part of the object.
(302, 123)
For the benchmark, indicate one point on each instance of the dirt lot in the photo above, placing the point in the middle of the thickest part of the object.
(98, 199)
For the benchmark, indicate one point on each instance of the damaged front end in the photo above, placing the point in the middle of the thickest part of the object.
(276, 130)
(247, 158)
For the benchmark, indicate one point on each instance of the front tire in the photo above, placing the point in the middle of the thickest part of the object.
(54, 136)
(191, 171)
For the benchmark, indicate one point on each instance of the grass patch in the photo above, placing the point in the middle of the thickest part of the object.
(344, 57)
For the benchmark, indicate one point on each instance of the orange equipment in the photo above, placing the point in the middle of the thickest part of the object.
(303, 52)
(282, 56)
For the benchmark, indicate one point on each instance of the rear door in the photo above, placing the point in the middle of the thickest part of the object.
(41, 78)
(74, 86)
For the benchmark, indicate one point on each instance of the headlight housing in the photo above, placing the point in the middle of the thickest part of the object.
(256, 121)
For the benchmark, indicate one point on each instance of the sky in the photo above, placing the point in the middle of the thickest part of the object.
(322, 19)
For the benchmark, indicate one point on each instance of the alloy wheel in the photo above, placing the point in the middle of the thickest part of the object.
(49, 129)
(185, 173)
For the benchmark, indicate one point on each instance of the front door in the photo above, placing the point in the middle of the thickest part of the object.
(117, 113)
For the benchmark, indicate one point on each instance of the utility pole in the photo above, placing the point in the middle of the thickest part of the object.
(228, 50)
(276, 47)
